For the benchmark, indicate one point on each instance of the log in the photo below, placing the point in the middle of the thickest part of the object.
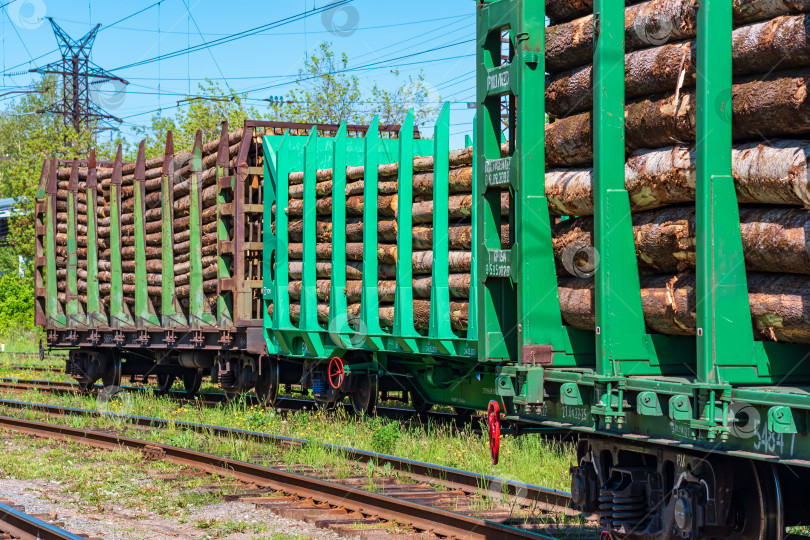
(459, 236)
(651, 23)
(774, 173)
(757, 48)
(209, 286)
(772, 106)
(561, 11)
(460, 181)
(386, 254)
(458, 158)
(459, 207)
(185, 266)
(459, 314)
(775, 239)
(777, 304)
(208, 272)
(459, 289)
(422, 263)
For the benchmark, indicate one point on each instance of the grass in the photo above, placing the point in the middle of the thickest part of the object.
(99, 480)
(528, 458)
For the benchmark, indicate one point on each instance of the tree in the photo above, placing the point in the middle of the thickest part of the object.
(26, 140)
(206, 111)
(392, 107)
(326, 94)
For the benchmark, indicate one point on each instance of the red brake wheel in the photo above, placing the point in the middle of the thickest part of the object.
(494, 422)
(336, 372)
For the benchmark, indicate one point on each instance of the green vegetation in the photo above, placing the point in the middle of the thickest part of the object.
(325, 94)
(528, 458)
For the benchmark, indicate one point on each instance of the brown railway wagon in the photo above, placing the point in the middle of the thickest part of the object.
(158, 262)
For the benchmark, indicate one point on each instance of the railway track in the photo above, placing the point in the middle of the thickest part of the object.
(16, 524)
(467, 505)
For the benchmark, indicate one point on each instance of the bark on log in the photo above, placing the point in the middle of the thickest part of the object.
(772, 106)
(775, 239)
(209, 286)
(459, 314)
(777, 302)
(757, 48)
(458, 158)
(459, 289)
(562, 11)
(458, 236)
(651, 23)
(422, 263)
(460, 181)
(774, 173)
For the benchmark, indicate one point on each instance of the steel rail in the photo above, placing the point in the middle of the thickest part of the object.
(449, 476)
(420, 516)
(27, 527)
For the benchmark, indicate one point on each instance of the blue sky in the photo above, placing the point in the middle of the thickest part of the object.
(434, 36)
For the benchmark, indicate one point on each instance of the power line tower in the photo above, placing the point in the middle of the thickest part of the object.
(79, 73)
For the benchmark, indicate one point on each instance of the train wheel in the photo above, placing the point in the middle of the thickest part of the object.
(267, 387)
(364, 399)
(112, 375)
(758, 509)
(165, 382)
(419, 404)
(192, 379)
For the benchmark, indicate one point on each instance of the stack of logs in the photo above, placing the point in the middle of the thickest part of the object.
(771, 59)
(153, 215)
(771, 175)
(459, 236)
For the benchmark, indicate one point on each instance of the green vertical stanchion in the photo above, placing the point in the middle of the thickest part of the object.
(370, 300)
(225, 298)
(144, 313)
(281, 296)
(53, 308)
(119, 311)
(270, 244)
(338, 317)
(472, 317)
(170, 311)
(724, 330)
(199, 313)
(497, 300)
(308, 323)
(440, 328)
(95, 311)
(620, 327)
(73, 310)
(403, 298)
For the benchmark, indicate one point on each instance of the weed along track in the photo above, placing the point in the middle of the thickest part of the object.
(361, 491)
(283, 404)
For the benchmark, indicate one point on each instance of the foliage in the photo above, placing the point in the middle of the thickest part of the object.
(393, 106)
(385, 436)
(17, 306)
(26, 139)
(326, 94)
(200, 114)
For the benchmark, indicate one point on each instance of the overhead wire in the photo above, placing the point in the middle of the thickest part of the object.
(235, 36)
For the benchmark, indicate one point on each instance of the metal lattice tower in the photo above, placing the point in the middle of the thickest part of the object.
(78, 73)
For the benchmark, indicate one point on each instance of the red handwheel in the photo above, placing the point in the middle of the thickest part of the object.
(336, 372)
(494, 421)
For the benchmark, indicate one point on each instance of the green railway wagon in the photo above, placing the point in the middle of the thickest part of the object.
(698, 435)
(341, 299)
